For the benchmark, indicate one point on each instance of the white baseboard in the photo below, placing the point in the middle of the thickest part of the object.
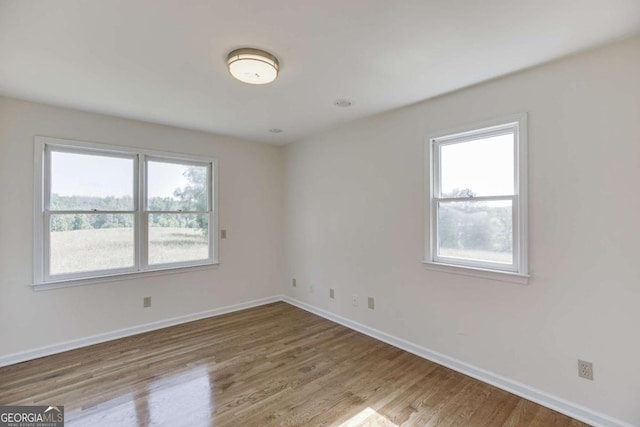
(23, 356)
(545, 399)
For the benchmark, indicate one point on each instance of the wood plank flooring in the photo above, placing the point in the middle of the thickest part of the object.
(274, 365)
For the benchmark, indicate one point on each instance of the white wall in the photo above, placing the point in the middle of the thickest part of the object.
(354, 218)
(251, 201)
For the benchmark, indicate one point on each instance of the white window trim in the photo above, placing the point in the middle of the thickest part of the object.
(520, 271)
(41, 282)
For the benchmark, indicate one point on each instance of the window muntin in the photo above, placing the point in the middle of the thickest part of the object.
(478, 216)
(92, 217)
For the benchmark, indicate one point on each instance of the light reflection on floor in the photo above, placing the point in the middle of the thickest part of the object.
(370, 417)
(121, 412)
(182, 399)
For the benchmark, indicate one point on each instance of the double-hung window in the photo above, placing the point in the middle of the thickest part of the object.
(106, 211)
(477, 219)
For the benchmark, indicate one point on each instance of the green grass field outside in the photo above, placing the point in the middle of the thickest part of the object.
(103, 249)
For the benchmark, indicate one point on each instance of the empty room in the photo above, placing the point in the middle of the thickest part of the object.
(329, 213)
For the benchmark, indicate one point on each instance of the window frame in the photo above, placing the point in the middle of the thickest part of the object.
(42, 279)
(146, 212)
(518, 270)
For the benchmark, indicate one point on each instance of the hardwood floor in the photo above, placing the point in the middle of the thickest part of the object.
(274, 365)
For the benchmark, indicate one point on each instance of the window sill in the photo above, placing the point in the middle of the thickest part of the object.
(119, 277)
(503, 276)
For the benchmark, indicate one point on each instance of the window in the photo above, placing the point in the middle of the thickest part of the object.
(104, 211)
(478, 199)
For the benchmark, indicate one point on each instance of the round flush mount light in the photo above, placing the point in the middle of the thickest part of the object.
(253, 66)
(276, 130)
(343, 103)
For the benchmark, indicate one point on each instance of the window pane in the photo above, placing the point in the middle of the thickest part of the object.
(476, 230)
(86, 182)
(178, 238)
(90, 242)
(174, 187)
(482, 167)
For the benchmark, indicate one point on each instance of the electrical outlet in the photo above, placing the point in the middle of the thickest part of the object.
(293, 282)
(354, 300)
(585, 370)
(371, 303)
(332, 294)
(223, 234)
(311, 289)
(146, 302)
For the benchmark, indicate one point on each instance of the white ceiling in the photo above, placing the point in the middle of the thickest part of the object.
(164, 60)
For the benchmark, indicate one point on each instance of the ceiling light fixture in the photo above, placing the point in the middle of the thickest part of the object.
(253, 66)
